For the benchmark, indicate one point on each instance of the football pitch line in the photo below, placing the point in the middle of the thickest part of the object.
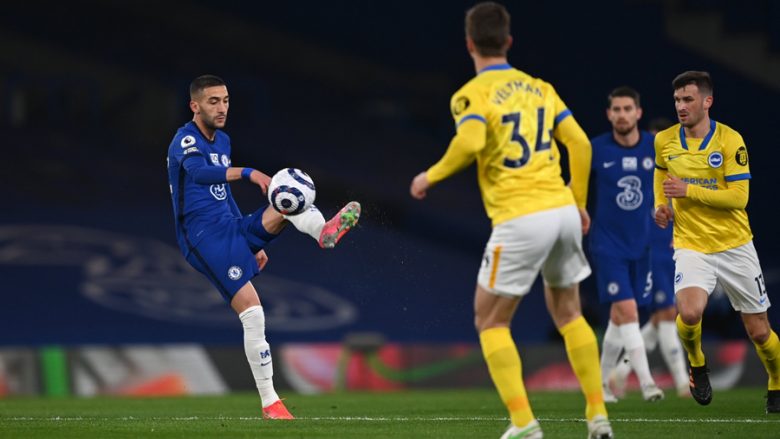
(383, 419)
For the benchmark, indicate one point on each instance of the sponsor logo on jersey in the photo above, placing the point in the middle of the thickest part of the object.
(460, 105)
(672, 157)
(613, 288)
(647, 163)
(631, 197)
(214, 158)
(187, 141)
(608, 164)
(629, 163)
(235, 272)
(189, 150)
(225, 161)
(677, 278)
(218, 191)
(265, 354)
(709, 183)
(741, 156)
(715, 159)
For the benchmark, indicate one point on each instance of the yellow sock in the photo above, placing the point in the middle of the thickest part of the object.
(583, 351)
(769, 353)
(690, 337)
(505, 368)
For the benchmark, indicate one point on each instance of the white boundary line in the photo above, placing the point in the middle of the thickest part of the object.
(385, 419)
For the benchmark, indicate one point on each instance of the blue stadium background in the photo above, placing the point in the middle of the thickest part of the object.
(357, 94)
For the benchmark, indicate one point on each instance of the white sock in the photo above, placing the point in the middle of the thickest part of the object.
(672, 351)
(258, 353)
(310, 222)
(635, 347)
(650, 336)
(610, 351)
(623, 368)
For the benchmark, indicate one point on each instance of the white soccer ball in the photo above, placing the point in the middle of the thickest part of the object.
(291, 191)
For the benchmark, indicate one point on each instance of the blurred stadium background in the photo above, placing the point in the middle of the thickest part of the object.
(96, 298)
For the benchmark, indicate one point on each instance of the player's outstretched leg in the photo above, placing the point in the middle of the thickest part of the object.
(339, 225)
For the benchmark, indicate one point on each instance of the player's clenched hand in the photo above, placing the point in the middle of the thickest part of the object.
(261, 259)
(585, 220)
(260, 179)
(663, 214)
(674, 187)
(420, 186)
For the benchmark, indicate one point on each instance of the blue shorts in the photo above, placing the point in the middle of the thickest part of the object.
(622, 279)
(663, 283)
(226, 256)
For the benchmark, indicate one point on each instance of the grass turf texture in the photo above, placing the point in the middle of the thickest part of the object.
(413, 414)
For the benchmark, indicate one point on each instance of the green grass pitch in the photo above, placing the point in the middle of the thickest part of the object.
(409, 414)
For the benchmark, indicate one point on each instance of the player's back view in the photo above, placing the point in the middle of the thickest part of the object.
(509, 123)
(518, 168)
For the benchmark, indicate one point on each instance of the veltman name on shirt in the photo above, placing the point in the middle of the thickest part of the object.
(505, 92)
(709, 183)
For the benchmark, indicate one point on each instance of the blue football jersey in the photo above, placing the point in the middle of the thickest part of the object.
(198, 208)
(623, 184)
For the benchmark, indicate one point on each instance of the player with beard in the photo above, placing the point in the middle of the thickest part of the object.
(622, 170)
(660, 330)
(220, 242)
(702, 166)
(510, 124)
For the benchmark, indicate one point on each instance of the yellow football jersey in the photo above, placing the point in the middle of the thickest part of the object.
(712, 162)
(519, 166)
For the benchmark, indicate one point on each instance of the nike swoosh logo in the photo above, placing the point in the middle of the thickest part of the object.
(608, 164)
(265, 364)
(672, 157)
(762, 300)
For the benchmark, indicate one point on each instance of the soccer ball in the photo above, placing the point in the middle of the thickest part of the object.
(291, 191)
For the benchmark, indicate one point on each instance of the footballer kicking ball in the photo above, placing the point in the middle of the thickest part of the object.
(291, 191)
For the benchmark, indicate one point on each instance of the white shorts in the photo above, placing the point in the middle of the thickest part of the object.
(736, 271)
(550, 241)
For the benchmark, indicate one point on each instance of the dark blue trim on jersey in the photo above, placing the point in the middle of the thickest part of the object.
(704, 142)
(496, 67)
(471, 117)
(738, 177)
(197, 128)
(562, 115)
(661, 168)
